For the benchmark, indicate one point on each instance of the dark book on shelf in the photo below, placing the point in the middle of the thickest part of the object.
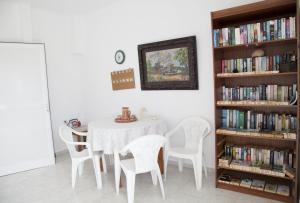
(283, 190)
(258, 184)
(246, 182)
(275, 29)
(272, 188)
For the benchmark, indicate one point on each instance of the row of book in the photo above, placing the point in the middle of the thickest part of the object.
(282, 28)
(250, 120)
(255, 184)
(260, 93)
(276, 159)
(256, 64)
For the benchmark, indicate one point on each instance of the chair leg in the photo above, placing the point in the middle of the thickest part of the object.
(130, 179)
(199, 166)
(117, 177)
(195, 173)
(111, 159)
(104, 163)
(154, 177)
(80, 168)
(74, 173)
(96, 163)
(180, 166)
(166, 157)
(160, 182)
(204, 166)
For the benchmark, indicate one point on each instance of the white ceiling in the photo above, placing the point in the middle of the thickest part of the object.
(67, 6)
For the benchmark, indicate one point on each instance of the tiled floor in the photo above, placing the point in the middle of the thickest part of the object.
(53, 184)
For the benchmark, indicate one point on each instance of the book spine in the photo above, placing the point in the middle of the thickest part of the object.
(272, 30)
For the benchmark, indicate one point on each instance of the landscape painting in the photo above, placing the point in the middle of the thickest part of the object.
(169, 65)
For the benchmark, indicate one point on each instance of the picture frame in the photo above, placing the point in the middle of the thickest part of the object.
(169, 65)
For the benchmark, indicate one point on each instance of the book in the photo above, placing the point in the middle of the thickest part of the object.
(235, 181)
(258, 184)
(283, 125)
(246, 182)
(269, 187)
(283, 190)
(225, 178)
(290, 172)
(225, 161)
(274, 29)
(237, 36)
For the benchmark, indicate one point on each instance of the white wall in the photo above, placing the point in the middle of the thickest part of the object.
(124, 25)
(19, 22)
(64, 67)
(13, 18)
(81, 38)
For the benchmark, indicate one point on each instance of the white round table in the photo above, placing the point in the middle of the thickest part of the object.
(108, 135)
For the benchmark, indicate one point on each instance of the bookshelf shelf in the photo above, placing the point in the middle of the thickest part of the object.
(255, 74)
(231, 26)
(257, 137)
(262, 174)
(259, 44)
(255, 192)
(236, 104)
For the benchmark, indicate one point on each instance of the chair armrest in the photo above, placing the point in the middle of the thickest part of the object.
(78, 143)
(83, 134)
(169, 134)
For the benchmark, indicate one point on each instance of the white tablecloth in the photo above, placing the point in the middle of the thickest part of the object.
(107, 135)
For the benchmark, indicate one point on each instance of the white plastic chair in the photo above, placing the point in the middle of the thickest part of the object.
(78, 158)
(145, 153)
(195, 130)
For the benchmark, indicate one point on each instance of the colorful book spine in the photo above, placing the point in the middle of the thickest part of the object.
(270, 93)
(275, 29)
(250, 120)
(271, 159)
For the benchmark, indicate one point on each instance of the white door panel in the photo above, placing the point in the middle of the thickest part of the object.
(25, 129)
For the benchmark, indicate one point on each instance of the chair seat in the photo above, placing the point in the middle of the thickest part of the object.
(85, 153)
(182, 152)
(128, 164)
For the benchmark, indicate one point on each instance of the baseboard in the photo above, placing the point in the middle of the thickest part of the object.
(62, 152)
(26, 166)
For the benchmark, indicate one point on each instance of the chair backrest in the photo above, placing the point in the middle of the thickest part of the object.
(145, 151)
(66, 134)
(195, 130)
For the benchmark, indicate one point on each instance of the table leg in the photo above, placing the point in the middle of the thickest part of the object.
(101, 164)
(161, 160)
(121, 180)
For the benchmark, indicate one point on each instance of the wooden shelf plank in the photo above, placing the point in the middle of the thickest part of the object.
(233, 169)
(256, 137)
(254, 8)
(258, 44)
(255, 192)
(255, 74)
(257, 105)
(220, 154)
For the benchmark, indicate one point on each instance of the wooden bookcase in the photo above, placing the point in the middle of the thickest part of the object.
(256, 12)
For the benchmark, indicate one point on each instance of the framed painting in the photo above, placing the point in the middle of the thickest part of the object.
(169, 65)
